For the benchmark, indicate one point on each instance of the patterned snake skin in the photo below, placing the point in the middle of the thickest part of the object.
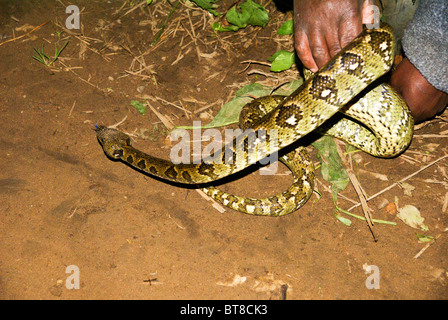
(375, 120)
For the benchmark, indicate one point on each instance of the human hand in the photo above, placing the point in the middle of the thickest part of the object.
(323, 27)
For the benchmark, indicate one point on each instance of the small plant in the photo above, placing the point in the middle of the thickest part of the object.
(249, 13)
(46, 60)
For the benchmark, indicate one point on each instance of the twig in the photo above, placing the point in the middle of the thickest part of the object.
(430, 136)
(83, 80)
(133, 8)
(249, 62)
(194, 36)
(114, 126)
(402, 180)
(215, 204)
(164, 24)
(177, 224)
(14, 39)
(358, 189)
(266, 74)
(170, 103)
(338, 195)
(445, 203)
(71, 110)
(429, 244)
(162, 118)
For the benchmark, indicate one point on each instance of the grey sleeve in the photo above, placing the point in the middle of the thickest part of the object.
(425, 42)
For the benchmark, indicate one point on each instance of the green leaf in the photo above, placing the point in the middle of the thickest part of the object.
(345, 221)
(289, 88)
(230, 112)
(218, 27)
(250, 13)
(286, 28)
(139, 106)
(208, 5)
(424, 238)
(251, 89)
(281, 60)
(332, 169)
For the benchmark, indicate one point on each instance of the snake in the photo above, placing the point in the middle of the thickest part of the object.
(342, 99)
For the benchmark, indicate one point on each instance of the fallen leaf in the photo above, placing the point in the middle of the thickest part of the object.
(412, 217)
(407, 188)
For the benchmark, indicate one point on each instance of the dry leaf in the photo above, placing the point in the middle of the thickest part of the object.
(407, 188)
(412, 217)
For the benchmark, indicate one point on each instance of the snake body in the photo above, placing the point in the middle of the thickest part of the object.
(376, 121)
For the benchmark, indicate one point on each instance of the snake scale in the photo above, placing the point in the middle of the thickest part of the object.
(375, 120)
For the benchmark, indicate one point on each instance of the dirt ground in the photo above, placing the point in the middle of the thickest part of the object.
(64, 203)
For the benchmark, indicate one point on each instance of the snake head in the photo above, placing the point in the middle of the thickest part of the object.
(112, 141)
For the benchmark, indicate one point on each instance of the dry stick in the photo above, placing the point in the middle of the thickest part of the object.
(338, 195)
(118, 10)
(14, 39)
(193, 36)
(266, 74)
(256, 62)
(114, 126)
(358, 189)
(431, 136)
(133, 8)
(207, 106)
(215, 204)
(84, 80)
(429, 244)
(445, 203)
(164, 24)
(84, 39)
(165, 120)
(167, 102)
(402, 180)
(71, 110)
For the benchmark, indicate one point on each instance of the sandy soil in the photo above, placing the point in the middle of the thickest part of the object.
(64, 203)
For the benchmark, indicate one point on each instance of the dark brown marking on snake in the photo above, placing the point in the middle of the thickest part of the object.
(352, 63)
(141, 164)
(130, 159)
(230, 197)
(153, 170)
(323, 88)
(288, 116)
(246, 144)
(171, 172)
(382, 43)
(205, 169)
(186, 176)
(223, 156)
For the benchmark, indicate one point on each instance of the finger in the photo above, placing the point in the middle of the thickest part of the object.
(333, 44)
(319, 49)
(368, 12)
(349, 29)
(304, 52)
